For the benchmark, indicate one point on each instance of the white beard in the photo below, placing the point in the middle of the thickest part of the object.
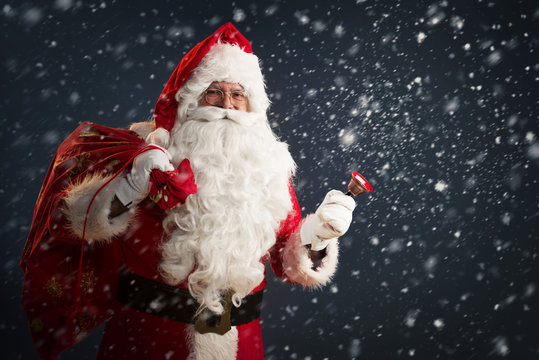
(219, 236)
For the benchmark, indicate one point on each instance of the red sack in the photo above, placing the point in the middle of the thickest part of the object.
(68, 285)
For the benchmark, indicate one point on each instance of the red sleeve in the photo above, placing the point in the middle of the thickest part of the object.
(287, 228)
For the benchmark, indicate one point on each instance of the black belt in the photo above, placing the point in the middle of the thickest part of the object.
(172, 303)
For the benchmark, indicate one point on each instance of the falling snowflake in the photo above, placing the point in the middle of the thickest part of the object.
(440, 186)
(411, 317)
(501, 346)
(439, 324)
(238, 15)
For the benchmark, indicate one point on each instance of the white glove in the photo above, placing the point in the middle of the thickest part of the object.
(135, 186)
(331, 220)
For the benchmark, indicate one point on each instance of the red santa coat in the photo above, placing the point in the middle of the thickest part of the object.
(65, 297)
(157, 338)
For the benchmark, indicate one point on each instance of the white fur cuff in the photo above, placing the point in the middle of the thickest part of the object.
(298, 266)
(143, 129)
(159, 137)
(98, 226)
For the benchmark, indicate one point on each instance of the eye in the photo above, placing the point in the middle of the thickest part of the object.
(213, 92)
(238, 95)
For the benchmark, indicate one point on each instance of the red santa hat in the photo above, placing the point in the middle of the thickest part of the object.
(226, 55)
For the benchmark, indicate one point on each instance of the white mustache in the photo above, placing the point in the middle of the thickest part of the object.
(213, 113)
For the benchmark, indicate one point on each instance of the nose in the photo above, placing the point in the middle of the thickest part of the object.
(227, 102)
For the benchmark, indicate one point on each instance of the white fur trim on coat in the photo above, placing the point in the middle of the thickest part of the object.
(98, 226)
(159, 137)
(143, 128)
(298, 266)
(212, 346)
(152, 135)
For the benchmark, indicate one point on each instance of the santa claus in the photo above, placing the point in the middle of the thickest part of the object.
(187, 282)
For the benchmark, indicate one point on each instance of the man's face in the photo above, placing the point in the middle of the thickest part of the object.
(225, 95)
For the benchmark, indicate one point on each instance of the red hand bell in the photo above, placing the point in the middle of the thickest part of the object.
(358, 185)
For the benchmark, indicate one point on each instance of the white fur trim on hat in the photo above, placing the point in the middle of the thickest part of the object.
(229, 63)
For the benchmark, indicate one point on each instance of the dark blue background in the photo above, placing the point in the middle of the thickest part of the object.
(435, 102)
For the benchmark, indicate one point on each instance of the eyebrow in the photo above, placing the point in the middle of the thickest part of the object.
(216, 86)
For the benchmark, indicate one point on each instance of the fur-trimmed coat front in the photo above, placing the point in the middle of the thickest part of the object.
(70, 287)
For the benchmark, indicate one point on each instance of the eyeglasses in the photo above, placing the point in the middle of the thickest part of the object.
(217, 96)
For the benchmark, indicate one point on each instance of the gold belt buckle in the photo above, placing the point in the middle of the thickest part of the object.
(203, 323)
